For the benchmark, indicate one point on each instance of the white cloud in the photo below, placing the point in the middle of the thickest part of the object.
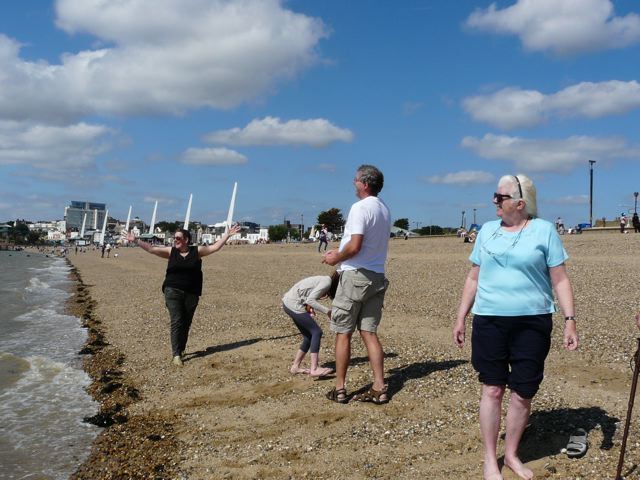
(515, 108)
(507, 108)
(159, 56)
(549, 155)
(272, 131)
(51, 147)
(160, 199)
(564, 27)
(570, 200)
(212, 156)
(465, 177)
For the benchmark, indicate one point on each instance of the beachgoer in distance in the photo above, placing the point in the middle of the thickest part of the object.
(516, 262)
(361, 290)
(182, 285)
(301, 303)
(635, 221)
(322, 237)
(623, 222)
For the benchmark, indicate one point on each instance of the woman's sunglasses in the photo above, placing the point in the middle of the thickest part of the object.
(499, 197)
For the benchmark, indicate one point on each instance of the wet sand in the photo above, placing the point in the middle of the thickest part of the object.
(234, 411)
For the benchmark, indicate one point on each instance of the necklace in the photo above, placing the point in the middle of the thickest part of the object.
(496, 234)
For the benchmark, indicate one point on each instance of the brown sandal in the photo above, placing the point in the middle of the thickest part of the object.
(337, 395)
(374, 396)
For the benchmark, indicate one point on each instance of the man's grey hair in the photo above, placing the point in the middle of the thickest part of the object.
(371, 176)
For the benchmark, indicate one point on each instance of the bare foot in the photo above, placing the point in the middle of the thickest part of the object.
(296, 370)
(320, 372)
(491, 472)
(518, 468)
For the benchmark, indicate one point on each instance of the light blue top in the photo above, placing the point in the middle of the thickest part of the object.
(514, 275)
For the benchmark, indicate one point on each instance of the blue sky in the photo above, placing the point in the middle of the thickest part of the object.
(135, 101)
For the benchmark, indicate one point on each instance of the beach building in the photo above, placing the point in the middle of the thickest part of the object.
(74, 215)
(56, 225)
(250, 233)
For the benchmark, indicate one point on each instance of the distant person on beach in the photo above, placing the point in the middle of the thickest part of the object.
(517, 262)
(104, 247)
(301, 304)
(358, 303)
(322, 238)
(623, 222)
(182, 285)
(635, 221)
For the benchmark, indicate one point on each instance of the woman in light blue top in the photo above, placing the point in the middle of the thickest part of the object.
(517, 262)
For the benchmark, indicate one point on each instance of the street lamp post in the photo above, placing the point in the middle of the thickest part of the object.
(635, 206)
(591, 162)
(474, 216)
(462, 221)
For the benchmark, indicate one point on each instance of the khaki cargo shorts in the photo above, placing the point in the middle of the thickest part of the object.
(358, 302)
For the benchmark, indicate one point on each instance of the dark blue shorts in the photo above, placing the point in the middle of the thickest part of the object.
(511, 350)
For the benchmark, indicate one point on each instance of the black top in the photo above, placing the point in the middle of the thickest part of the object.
(184, 273)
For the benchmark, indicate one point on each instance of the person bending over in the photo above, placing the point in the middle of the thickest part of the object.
(301, 303)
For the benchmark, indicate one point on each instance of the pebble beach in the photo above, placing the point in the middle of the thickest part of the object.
(235, 412)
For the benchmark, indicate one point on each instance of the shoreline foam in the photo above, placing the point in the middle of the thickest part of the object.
(129, 446)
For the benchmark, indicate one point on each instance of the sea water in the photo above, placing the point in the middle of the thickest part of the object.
(42, 384)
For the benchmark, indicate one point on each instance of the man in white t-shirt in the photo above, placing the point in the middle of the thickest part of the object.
(358, 302)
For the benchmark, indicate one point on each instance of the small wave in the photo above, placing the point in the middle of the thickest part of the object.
(45, 332)
(12, 369)
(42, 415)
(36, 284)
(41, 292)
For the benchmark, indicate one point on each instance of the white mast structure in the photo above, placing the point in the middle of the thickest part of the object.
(123, 238)
(104, 226)
(186, 218)
(231, 207)
(95, 218)
(126, 228)
(84, 222)
(153, 218)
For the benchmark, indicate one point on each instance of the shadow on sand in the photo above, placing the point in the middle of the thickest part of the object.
(549, 430)
(231, 346)
(398, 376)
(355, 361)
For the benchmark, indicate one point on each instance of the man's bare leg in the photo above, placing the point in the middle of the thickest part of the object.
(376, 357)
(343, 356)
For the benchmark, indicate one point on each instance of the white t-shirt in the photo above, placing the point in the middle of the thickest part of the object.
(369, 217)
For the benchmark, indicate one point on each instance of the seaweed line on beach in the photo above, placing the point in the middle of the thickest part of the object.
(129, 446)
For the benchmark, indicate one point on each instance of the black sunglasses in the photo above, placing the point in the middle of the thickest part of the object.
(499, 197)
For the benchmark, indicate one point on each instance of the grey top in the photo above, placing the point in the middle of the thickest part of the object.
(307, 292)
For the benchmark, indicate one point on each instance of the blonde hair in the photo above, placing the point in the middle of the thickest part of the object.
(522, 183)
